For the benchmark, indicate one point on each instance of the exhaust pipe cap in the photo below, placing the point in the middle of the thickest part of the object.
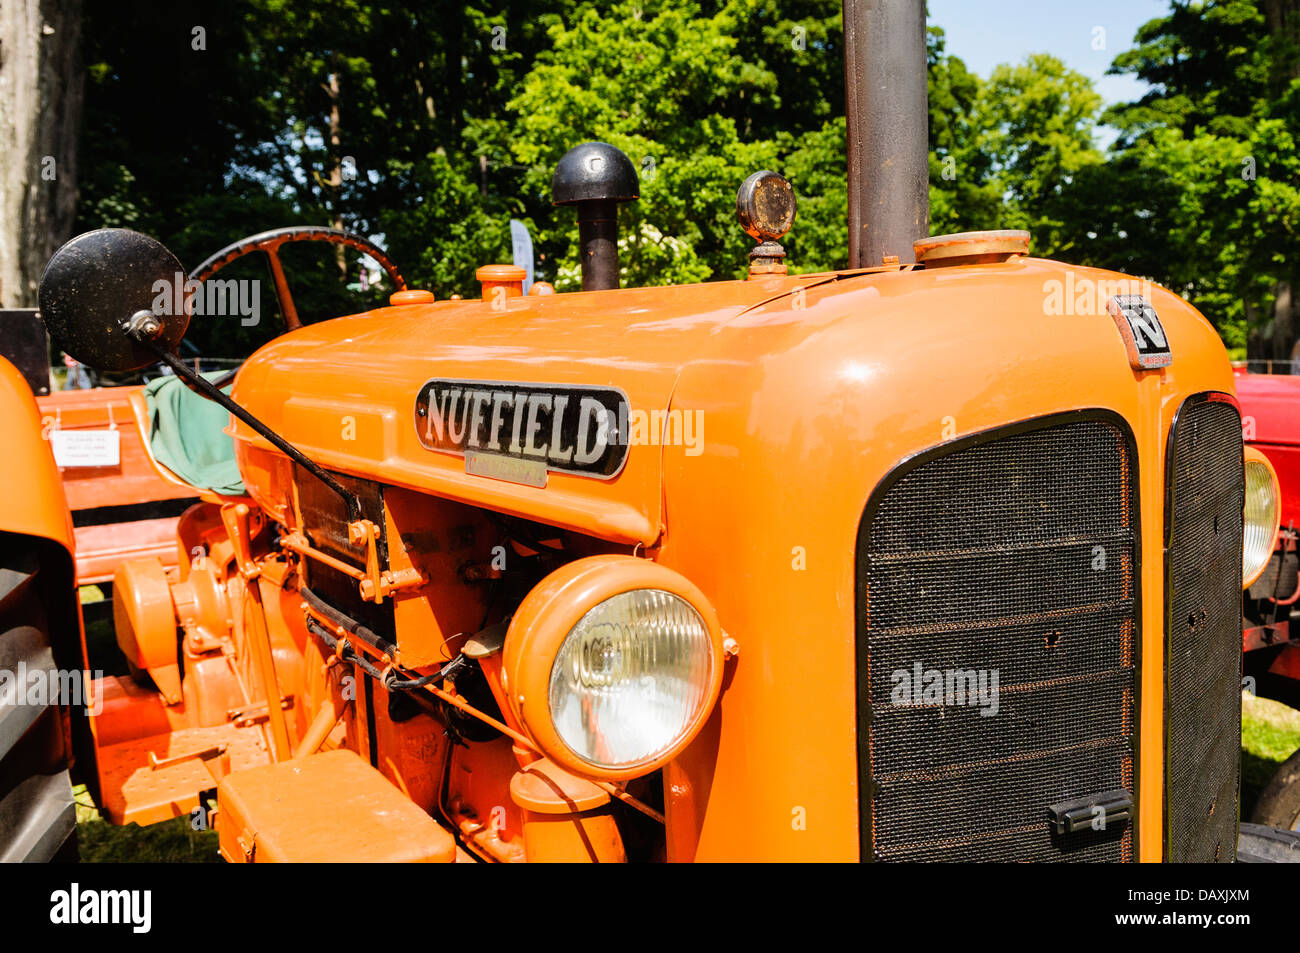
(594, 172)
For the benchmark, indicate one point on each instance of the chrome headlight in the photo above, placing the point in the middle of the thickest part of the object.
(630, 679)
(612, 665)
(1260, 516)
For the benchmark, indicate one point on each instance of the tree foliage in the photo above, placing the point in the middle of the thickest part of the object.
(430, 126)
(1201, 184)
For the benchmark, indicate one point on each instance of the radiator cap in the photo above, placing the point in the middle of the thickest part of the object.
(971, 248)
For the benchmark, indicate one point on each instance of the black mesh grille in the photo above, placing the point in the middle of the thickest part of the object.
(1012, 552)
(1203, 626)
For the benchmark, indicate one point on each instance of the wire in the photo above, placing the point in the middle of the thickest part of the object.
(348, 655)
(404, 685)
(387, 676)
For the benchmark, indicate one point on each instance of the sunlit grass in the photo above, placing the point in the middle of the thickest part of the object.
(1270, 732)
(89, 594)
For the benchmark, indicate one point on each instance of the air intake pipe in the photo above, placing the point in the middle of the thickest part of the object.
(595, 177)
(887, 107)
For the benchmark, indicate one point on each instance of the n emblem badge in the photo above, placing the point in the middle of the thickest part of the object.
(1143, 334)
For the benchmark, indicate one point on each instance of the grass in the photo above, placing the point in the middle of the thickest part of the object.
(1270, 732)
(170, 842)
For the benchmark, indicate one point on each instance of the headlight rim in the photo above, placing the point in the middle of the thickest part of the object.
(544, 620)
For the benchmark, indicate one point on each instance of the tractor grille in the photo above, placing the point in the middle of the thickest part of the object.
(1203, 632)
(1010, 553)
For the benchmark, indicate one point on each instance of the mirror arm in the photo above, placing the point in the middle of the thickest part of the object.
(208, 390)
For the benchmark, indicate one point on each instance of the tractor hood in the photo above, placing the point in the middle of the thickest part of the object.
(780, 377)
(517, 405)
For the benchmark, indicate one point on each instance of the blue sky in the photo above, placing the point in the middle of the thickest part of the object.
(985, 33)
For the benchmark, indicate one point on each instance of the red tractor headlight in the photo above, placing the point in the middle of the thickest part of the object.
(1260, 516)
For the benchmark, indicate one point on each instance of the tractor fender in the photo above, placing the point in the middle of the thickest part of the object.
(37, 607)
(33, 503)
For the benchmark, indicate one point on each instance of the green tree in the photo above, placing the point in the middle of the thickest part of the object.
(1036, 126)
(1206, 162)
(963, 192)
(1207, 67)
(388, 120)
(647, 79)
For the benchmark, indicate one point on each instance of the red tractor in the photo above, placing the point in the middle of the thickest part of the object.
(1270, 415)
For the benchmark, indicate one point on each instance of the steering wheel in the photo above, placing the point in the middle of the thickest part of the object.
(269, 243)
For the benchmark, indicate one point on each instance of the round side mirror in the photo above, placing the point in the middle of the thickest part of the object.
(98, 282)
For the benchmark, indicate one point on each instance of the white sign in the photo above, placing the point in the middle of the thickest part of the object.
(86, 448)
(521, 246)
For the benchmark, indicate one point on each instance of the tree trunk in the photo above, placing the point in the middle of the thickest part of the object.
(453, 75)
(1283, 19)
(336, 171)
(41, 88)
(1257, 340)
(1283, 322)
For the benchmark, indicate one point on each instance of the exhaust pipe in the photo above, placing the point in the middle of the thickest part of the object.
(887, 108)
(595, 177)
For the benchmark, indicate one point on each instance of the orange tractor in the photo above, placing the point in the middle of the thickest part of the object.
(922, 559)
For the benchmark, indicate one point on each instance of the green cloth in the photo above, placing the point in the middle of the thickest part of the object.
(187, 435)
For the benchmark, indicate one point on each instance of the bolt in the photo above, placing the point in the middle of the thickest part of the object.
(143, 324)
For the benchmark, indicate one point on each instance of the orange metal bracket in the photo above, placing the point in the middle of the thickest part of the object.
(235, 518)
(256, 713)
(376, 585)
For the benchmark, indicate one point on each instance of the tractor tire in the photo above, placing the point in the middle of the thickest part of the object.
(1279, 803)
(1257, 844)
(37, 813)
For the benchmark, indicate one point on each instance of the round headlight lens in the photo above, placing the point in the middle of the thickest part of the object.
(631, 678)
(1260, 519)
